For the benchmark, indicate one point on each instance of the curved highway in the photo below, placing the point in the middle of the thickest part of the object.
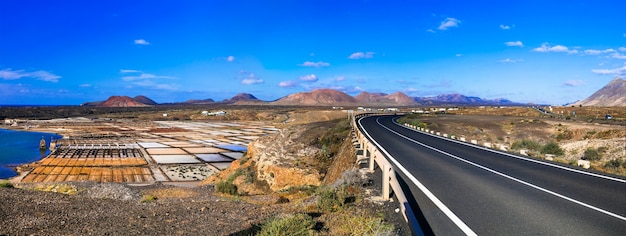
(462, 189)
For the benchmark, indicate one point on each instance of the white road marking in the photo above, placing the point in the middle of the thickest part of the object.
(507, 176)
(459, 223)
(521, 158)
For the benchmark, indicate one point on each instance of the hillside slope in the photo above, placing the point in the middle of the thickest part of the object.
(612, 94)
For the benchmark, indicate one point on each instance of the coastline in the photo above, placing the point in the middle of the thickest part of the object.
(19, 154)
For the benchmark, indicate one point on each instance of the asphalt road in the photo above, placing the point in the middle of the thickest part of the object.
(463, 189)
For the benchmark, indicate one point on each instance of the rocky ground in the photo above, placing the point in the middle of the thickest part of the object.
(117, 209)
(114, 209)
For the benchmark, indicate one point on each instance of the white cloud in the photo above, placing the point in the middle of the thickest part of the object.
(141, 42)
(622, 49)
(410, 90)
(574, 83)
(309, 78)
(618, 56)
(45, 76)
(509, 60)
(147, 80)
(620, 72)
(249, 78)
(545, 47)
(514, 44)
(252, 79)
(166, 86)
(129, 71)
(9, 74)
(430, 31)
(624, 35)
(459, 55)
(596, 52)
(314, 64)
(230, 58)
(85, 85)
(356, 89)
(288, 84)
(249, 81)
(144, 76)
(505, 27)
(360, 55)
(340, 78)
(449, 22)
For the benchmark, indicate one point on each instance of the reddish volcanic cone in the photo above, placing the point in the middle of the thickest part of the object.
(122, 101)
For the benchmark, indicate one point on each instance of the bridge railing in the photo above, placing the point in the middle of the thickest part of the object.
(390, 184)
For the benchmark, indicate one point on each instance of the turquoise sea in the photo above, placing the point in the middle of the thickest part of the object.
(20, 147)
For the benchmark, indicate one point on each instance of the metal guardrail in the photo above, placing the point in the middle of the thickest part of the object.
(390, 183)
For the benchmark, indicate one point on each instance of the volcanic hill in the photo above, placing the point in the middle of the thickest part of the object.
(318, 97)
(124, 101)
(611, 95)
(241, 97)
(398, 98)
(145, 100)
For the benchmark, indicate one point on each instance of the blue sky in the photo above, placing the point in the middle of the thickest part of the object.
(69, 52)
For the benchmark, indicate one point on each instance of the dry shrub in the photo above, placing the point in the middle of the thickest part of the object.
(6, 184)
(358, 222)
(299, 224)
(552, 148)
(227, 187)
(591, 154)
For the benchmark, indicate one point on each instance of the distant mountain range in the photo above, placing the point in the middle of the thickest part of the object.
(319, 97)
(612, 94)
